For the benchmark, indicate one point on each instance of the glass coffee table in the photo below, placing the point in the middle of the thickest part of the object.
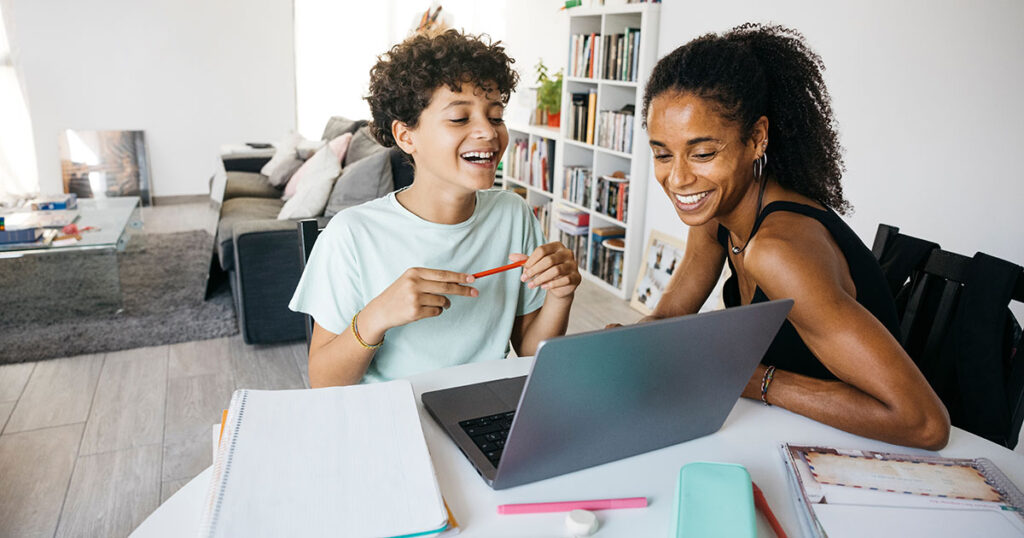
(43, 281)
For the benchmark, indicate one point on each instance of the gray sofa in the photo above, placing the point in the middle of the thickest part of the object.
(260, 254)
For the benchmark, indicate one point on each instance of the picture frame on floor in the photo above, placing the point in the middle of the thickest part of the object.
(105, 164)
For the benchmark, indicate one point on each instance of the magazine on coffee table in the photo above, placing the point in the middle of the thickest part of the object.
(848, 492)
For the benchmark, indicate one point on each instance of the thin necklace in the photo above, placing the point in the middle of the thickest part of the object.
(760, 197)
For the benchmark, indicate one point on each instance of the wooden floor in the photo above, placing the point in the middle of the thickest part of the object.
(90, 445)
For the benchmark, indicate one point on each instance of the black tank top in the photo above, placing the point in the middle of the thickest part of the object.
(788, 351)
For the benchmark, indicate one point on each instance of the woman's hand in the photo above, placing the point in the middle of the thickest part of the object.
(419, 293)
(551, 267)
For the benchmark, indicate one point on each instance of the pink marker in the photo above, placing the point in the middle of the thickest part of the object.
(568, 506)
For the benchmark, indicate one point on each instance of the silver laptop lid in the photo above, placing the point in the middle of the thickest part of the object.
(600, 396)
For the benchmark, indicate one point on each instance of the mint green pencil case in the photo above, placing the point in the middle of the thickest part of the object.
(714, 499)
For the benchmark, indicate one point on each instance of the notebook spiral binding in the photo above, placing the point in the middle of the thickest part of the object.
(222, 467)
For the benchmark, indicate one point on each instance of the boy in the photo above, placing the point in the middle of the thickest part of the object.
(402, 265)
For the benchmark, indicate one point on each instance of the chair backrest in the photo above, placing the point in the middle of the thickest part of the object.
(955, 324)
(309, 230)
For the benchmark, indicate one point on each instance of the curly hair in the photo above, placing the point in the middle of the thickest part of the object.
(404, 78)
(758, 70)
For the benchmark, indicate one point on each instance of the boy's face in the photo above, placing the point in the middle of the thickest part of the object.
(459, 139)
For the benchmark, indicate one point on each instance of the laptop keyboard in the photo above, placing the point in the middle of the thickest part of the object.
(489, 433)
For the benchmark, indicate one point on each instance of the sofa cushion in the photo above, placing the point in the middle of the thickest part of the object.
(284, 151)
(324, 163)
(337, 126)
(282, 173)
(249, 185)
(238, 210)
(365, 180)
(363, 145)
(314, 189)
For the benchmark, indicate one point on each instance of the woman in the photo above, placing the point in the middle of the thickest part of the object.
(715, 109)
(401, 266)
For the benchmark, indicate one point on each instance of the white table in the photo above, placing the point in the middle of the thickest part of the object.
(750, 437)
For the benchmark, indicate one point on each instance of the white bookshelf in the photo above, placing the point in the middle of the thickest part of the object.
(611, 95)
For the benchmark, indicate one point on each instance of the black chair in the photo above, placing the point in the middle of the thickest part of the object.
(956, 325)
(309, 229)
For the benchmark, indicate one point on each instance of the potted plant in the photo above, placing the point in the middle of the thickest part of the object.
(549, 93)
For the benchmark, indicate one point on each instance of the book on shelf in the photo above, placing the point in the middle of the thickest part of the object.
(612, 197)
(543, 213)
(615, 129)
(517, 159)
(358, 450)
(621, 54)
(584, 51)
(578, 117)
(576, 243)
(591, 112)
(573, 217)
(845, 493)
(578, 185)
(542, 164)
(608, 252)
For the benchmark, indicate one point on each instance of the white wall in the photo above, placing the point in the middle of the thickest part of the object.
(534, 30)
(337, 43)
(927, 95)
(192, 74)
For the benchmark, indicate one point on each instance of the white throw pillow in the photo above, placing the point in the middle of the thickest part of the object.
(313, 191)
(284, 154)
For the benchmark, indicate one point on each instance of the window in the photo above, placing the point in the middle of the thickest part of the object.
(18, 175)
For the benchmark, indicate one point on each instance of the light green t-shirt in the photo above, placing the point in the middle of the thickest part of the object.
(365, 248)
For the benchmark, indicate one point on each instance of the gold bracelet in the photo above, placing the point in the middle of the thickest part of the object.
(355, 332)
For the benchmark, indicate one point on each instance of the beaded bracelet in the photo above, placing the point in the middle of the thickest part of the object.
(765, 381)
(355, 332)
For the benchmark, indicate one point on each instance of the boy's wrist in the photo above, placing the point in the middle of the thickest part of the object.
(371, 328)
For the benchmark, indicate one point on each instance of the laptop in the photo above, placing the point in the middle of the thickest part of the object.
(601, 396)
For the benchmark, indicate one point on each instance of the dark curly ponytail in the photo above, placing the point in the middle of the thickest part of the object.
(755, 70)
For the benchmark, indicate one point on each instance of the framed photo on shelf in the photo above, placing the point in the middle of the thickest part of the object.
(105, 164)
(661, 257)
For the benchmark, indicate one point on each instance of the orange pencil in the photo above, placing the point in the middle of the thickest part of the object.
(499, 269)
(762, 505)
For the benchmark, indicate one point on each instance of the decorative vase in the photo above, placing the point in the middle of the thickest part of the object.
(554, 120)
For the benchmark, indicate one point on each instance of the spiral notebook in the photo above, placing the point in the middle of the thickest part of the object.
(844, 492)
(339, 461)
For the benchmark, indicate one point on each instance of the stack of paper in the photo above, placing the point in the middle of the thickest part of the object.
(340, 461)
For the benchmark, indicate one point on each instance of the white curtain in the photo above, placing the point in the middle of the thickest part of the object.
(18, 175)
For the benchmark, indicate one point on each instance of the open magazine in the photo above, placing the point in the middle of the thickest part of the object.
(844, 492)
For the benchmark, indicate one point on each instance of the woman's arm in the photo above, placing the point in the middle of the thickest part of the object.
(880, 392)
(694, 278)
(339, 359)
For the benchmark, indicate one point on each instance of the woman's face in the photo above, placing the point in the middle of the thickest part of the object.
(459, 138)
(700, 158)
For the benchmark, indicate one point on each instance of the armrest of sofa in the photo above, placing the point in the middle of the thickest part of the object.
(244, 163)
(268, 264)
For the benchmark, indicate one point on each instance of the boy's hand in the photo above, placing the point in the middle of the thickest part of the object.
(419, 293)
(552, 267)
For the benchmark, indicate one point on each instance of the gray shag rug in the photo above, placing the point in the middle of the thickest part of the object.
(66, 304)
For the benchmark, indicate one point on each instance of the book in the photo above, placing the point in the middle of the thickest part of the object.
(335, 461)
(591, 112)
(844, 492)
(20, 235)
(58, 201)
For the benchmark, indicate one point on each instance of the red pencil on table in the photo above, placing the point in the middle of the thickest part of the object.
(762, 504)
(499, 269)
